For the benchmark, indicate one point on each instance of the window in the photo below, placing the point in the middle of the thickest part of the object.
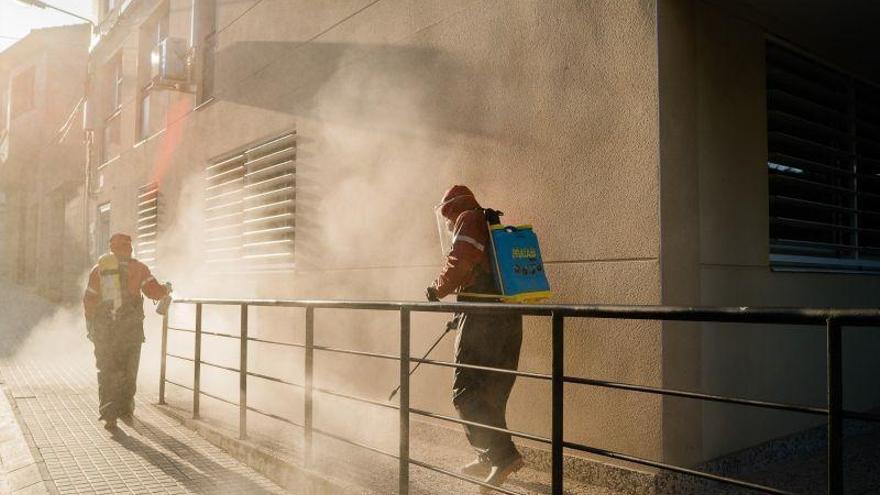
(151, 104)
(102, 230)
(111, 137)
(115, 82)
(22, 92)
(824, 166)
(147, 224)
(150, 122)
(250, 206)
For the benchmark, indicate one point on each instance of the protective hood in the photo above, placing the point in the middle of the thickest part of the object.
(457, 200)
(120, 245)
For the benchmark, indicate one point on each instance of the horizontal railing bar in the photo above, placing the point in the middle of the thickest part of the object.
(529, 436)
(356, 353)
(288, 344)
(187, 330)
(178, 384)
(462, 478)
(218, 398)
(352, 442)
(816, 316)
(184, 358)
(448, 364)
(216, 334)
(355, 398)
(273, 379)
(214, 365)
(274, 416)
(698, 395)
(861, 416)
(669, 467)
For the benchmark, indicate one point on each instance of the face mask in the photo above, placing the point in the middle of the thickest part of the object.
(445, 226)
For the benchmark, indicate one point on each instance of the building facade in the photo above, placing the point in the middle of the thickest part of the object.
(42, 159)
(667, 152)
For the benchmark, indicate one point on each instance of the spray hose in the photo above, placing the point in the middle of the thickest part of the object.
(450, 326)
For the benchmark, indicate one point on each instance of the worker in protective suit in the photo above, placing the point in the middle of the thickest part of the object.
(114, 311)
(492, 340)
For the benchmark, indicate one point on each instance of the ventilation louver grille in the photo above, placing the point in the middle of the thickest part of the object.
(250, 207)
(823, 165)
(147, 224)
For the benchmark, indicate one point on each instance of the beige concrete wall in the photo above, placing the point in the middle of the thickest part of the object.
(755, 361)
(549, 111)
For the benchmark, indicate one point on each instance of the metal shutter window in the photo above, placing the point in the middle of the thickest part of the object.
(250, 207)
(824, 166)
(147, 224)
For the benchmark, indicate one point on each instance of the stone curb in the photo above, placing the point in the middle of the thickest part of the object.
(620, 479)
(22, 471)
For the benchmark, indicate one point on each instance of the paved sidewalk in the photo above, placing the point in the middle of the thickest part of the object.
(47, 371)
(57, 404)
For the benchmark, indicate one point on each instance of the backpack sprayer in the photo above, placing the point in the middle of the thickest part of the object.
(517, 268)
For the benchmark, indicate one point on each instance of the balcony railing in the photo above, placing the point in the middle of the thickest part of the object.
(831, 319)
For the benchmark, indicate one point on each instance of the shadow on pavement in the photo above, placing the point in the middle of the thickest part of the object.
(194, 470)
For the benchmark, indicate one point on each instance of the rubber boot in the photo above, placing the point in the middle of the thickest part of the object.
(499, 474)
(477, 468)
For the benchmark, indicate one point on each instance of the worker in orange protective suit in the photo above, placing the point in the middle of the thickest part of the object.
(114, 314)
(492, 340)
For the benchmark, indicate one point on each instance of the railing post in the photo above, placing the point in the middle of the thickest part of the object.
(403, 486)
(835, 407)
(164, 359)
(243, 373)
(197, 361)
(308, 389)
(558, 360)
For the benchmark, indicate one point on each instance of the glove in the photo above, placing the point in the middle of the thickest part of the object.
(431, 294)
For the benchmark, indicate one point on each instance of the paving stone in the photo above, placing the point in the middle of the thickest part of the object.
(57, 402)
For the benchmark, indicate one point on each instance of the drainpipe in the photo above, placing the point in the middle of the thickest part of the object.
(89, 138)
(87, 194)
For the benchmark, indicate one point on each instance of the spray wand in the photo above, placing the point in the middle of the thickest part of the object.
(450, 326)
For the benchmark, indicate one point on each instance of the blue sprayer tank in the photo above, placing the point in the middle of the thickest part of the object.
(517, 264)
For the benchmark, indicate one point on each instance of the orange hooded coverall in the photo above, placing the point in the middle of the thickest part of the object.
(492, 340)
(114, 313)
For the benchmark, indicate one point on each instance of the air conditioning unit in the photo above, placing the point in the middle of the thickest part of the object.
(170, 65)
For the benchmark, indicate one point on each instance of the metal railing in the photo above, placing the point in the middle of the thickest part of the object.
(832, 319)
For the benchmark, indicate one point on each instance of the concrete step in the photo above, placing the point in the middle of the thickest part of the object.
(355, 470)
